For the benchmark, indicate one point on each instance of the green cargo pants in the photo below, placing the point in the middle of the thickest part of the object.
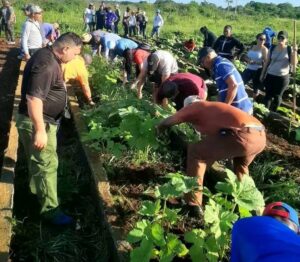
(42, 165)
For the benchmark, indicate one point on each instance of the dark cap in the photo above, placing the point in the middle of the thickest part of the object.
(283, 34)
(169, 88)
(285, 211)
(145, 46)
(204, 52)
(153, 61)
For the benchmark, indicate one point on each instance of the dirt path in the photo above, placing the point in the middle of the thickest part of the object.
(9, 72)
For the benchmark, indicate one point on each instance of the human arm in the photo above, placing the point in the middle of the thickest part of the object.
(24, 39)
(35, 111)
(83, 78)
(265, 66)
(169, 122)
(240, 46)
(294, 56)
(140, 80)
(232, 87)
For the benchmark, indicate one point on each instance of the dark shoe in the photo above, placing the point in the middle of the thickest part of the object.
(193, 211)
(57, 217)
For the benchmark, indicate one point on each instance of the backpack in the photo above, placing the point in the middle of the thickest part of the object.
(270, 34)
(289, 51)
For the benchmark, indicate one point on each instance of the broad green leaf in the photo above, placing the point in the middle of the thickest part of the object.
(171, 215)
(138, 232)
(157, 235)
(212, 249)
(150, 208)
(143, 252)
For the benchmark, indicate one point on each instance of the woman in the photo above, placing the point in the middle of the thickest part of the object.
(256, 58)
(100, 18)
(275, 73)
(226, 44)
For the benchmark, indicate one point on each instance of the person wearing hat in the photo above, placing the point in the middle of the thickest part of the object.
(229, 81)
(50, 32)
(32, 36)
(8, 21)
(94, 40)
(139, 57)
(209, 37)
(228, 133)
(89, 17)
(226, 45)
(274, 236)
(158, 22)
(275, 72)
(180, 86)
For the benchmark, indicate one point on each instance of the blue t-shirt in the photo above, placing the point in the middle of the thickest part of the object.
(124, 44)
(264, 239)
(108, 37)
(270, 34)
(222, 69)
(47, 30)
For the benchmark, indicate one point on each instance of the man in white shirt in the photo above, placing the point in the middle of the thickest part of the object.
(88, 18)
(158, 22)
(32, 38)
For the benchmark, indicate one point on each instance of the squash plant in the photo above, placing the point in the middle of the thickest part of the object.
(152, 238)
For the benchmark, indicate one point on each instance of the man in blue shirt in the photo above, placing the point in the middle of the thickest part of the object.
(229, 81)
(108, 41)
(124, 44)
(268, 238)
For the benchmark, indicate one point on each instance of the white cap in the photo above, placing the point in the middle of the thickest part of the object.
(191, 99)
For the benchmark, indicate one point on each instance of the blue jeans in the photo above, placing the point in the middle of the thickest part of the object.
(155, 30)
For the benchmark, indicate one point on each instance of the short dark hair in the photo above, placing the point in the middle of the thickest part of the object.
(67, 39)
(203, 29)
(169, 89)
(228, 27)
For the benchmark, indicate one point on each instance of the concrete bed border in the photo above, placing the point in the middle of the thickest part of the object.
(7, 177)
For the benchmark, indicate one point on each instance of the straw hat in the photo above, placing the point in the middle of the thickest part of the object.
(86, 37)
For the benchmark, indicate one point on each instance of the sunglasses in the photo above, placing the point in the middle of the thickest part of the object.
(262, 39)
(281, 38)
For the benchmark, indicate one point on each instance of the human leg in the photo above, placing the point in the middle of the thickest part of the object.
(282, 84)
(43, 172)
(269, 84)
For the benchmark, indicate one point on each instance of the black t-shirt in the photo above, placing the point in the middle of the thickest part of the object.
(43, 79)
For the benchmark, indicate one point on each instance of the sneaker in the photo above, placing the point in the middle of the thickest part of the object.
(57, 217)
(61, 219)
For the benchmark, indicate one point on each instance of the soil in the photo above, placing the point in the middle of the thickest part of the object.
(9, 72)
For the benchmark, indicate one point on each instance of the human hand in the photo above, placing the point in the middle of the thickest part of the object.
(262, 78)
(27, 57)
(40, 139)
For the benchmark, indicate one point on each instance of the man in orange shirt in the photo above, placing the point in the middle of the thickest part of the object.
(228, 133)
(76, 70)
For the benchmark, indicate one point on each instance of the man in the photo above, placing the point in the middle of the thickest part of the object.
(88, 18)
(229, 133)
(42, 104)
(180, 86)
(209, 37)
(108, 42)
(158, 22)
(226, 44)
(8, 22)
(229, 81)
(271, 237)
(139, 57)
(161, 65)
(76, 71)
(122, 45)
(32, 38)
(94, 40)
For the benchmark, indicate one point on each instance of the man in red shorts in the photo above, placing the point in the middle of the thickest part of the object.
(180, 86)
(227, 133)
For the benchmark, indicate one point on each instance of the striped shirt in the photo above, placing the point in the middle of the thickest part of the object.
(222, 69)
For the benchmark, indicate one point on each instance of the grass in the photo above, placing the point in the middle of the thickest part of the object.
(185, 18)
